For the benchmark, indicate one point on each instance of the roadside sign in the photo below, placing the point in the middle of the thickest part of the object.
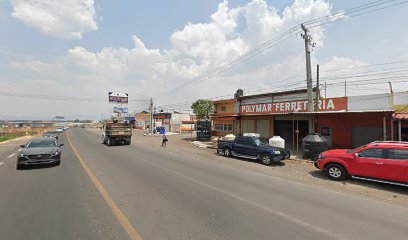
(120, 109)
(118, 97)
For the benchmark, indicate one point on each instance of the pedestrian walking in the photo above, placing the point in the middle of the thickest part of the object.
(164, 142)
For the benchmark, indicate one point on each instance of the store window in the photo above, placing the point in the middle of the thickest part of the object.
(223, 128)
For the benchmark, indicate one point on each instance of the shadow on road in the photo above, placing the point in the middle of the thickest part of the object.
(376, 185)
(279, 164)
(39, 166)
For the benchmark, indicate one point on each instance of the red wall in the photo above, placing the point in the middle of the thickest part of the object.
(341, 125)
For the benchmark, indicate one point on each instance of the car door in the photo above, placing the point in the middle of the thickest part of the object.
(239, 147)
(369, 163)
(245, 146)
(395, 167)
(251, 148)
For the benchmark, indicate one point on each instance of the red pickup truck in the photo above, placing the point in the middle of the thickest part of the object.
(379, 161)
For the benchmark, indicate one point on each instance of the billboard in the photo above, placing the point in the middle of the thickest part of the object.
(120, 109)
(118, 97)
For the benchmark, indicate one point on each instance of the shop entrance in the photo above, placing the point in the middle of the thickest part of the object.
(292, 131)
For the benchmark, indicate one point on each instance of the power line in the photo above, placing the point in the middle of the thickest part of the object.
(374, 6)
(335, 18)
(244, 57)
(59, 98)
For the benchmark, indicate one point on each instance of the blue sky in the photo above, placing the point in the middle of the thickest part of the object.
(78, 49)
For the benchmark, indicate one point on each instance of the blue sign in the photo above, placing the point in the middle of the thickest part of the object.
(120, 109)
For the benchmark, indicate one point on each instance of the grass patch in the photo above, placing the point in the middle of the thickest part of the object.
(5, 138)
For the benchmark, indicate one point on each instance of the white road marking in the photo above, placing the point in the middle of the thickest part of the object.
(12, 155)
(19, 150)
(1, 163)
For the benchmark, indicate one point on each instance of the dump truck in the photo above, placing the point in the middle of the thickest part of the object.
(116, 132)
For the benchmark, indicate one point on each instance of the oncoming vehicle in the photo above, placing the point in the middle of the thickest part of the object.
(44, 150)
(252, 148)
(53, 134)
(379, 161)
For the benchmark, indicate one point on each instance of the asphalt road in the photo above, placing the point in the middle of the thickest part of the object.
(168, 196)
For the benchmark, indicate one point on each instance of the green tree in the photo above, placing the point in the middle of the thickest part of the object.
(203, 108)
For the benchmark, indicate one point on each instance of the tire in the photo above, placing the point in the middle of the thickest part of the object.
(227, 152)
(19, 167)
(109, 141)
(128, 141)
(336, 172)
(266, 159)
(58, 163)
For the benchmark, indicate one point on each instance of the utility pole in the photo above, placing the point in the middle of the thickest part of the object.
(308, 43)
(325, 90)
(308, 39)
(345, 88)
(391, 94)
(151, 116)
(317, 89)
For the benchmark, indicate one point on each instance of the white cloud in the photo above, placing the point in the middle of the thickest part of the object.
(66, 19)
(195, 49)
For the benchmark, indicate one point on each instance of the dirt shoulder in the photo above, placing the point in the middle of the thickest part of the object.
(298, 171)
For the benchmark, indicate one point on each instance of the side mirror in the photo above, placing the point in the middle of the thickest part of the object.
(22, 145)
(356, 155)
(61, 145)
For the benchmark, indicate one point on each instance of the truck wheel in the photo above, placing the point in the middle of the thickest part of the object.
(266, 159)
(227, 152)
(336, 172)
(128, 141)
(109, 142)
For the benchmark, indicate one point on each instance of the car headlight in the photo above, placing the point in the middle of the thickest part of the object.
(277, 152)
(321, 157)
(55, 153)
(21, 155)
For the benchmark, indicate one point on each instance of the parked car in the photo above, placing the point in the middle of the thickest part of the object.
(60, 130)
(43, 150)
(53, 134)
(252, 148)
(379, 161)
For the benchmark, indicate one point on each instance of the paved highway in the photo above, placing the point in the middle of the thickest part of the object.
(137, 192)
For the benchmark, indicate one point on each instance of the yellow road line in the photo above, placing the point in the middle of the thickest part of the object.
(130, 230)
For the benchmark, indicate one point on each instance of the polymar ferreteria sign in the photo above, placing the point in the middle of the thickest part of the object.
(324, 105)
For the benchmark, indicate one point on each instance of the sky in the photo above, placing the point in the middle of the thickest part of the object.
(61, 58)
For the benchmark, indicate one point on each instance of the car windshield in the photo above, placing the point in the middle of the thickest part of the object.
(259, 141)
(41, 143)
(355, 149)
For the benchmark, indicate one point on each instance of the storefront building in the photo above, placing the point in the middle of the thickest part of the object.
(174, 122)
(142, 120)
(345, 122)
(225, 117)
